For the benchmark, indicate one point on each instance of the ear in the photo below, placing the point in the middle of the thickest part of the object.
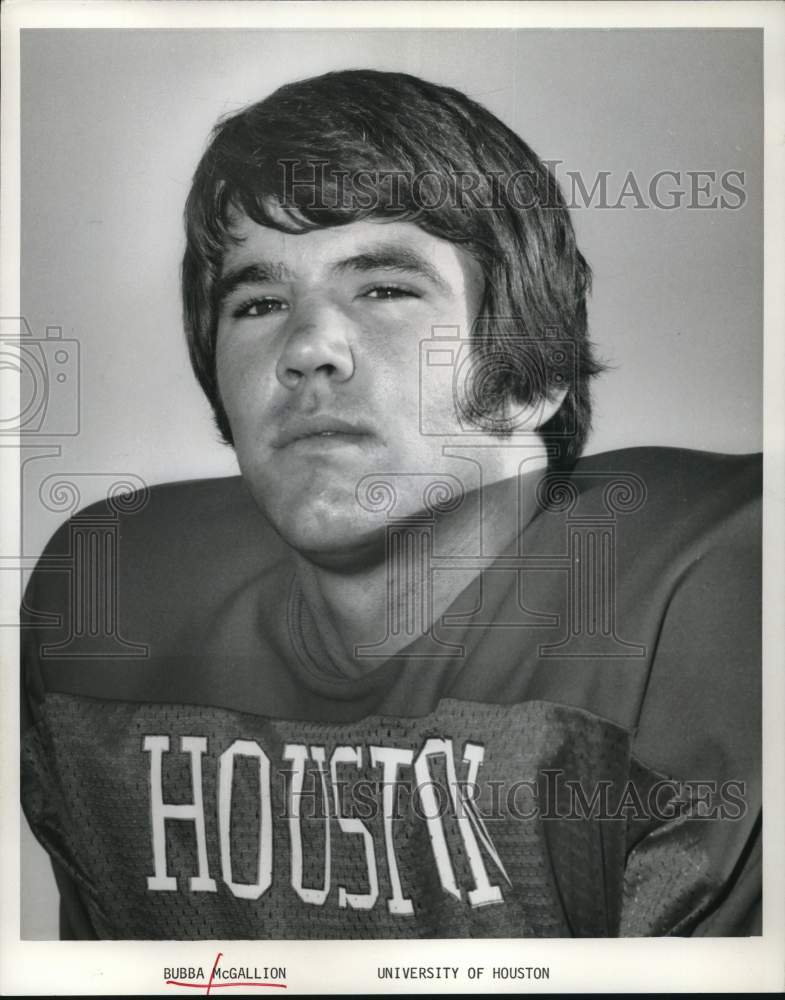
(532, 416)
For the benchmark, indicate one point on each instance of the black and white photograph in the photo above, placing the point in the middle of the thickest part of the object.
(398, 451)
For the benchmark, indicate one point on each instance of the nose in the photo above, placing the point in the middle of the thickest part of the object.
(316, 346)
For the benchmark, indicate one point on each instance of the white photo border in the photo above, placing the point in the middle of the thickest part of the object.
(673, 965)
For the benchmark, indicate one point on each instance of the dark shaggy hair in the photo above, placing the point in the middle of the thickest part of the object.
(361, 144)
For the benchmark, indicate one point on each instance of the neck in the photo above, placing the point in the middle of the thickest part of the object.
(384, 601)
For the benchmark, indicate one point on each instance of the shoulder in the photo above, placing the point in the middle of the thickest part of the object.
(128, 579)
(682, 521)
(688, 557)
(674, 495)
(664, 549)
(198, 522)
(678, 474)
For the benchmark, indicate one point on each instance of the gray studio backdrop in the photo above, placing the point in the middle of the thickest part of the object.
(113, 123)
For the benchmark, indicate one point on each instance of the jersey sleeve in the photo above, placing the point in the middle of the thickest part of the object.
(74, 921)
(699, 871)
(40, 792)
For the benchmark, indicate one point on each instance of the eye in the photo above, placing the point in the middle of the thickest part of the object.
(256, 307)
(389, 292)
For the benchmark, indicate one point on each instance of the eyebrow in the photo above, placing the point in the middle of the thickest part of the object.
(258, 273)
(387, 257)
(391, 257)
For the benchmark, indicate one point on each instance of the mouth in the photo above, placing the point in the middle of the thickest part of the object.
(320, 430)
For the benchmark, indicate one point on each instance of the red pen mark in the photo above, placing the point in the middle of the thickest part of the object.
(210, 985)
(212, 974)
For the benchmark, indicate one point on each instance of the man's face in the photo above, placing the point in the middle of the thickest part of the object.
(318, 361)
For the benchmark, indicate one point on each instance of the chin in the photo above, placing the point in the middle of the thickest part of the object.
(331, 534)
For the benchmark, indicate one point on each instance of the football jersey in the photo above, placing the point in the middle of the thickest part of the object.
(571, 749)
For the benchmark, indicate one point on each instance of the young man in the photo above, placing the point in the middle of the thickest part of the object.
(417, 673)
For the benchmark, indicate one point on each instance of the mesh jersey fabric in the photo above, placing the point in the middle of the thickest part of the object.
(538, 765)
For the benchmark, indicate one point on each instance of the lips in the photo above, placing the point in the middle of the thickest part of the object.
(301, 428)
